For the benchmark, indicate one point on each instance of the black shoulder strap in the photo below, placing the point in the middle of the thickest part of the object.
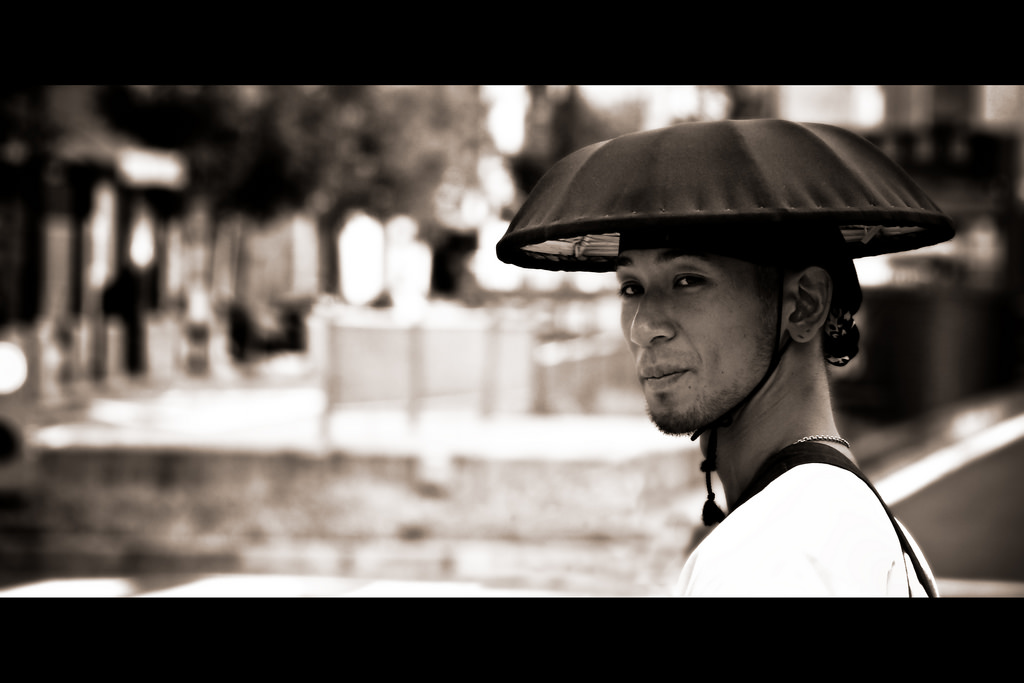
(810, 452)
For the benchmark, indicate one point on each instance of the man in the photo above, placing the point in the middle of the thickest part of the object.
(733, 243)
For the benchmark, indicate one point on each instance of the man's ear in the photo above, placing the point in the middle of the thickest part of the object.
(810, 291)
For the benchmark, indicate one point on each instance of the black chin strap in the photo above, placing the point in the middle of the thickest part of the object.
(712, 514)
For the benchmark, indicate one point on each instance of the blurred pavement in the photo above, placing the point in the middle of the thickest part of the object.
(267, 414)
(261, 586)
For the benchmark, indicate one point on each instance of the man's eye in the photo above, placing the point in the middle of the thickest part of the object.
(688, 280)
(630, 289)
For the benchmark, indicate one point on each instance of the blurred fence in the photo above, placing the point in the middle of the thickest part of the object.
(485, 359)
(464, 357)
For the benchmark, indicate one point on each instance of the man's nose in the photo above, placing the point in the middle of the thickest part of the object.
(650, 323)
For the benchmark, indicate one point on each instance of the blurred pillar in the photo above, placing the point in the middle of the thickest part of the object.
(330, 334)
(328, 281)
(197, 254)
(82, 181)
(908, 106)
(417, 375)
(361, 259)
(21, 241)
(99, 245)
(55, 329)
(124, 297)
(492, 361)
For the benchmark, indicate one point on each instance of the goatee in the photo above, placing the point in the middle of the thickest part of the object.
(672, 424)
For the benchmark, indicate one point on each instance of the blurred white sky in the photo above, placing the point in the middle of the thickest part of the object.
(861, 106)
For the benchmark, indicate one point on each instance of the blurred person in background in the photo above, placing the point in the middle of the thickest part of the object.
(733, 244)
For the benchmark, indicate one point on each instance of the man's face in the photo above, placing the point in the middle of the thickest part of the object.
(700, 333)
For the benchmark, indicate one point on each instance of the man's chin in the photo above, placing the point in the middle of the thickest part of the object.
(672, 424)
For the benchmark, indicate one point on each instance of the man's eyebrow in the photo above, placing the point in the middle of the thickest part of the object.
(673, 254)
(665, 256)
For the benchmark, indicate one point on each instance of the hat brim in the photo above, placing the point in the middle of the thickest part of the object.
(754, 185)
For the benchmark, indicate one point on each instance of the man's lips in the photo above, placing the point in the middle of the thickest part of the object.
(660, 374)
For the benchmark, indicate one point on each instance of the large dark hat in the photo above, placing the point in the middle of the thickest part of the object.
(768, 191)
(763, 189)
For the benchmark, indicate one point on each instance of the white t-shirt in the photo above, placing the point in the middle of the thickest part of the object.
(817, 530)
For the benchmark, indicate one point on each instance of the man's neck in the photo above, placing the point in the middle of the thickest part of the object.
(793, 404)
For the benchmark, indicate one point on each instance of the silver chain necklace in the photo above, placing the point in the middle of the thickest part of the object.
(823, 437)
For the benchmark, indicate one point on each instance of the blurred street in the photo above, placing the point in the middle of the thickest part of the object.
(964, 521)
(950, 476)
(261, 586)
(530, 503)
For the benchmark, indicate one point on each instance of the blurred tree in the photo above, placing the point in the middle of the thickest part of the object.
(752, 101)
(25, 130)
(391, 156)
(576, 124)
(256, 150)
(25, 134)
(559, 122)
(225, 132)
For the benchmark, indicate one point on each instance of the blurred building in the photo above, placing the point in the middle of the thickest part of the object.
(84, 244)
(112, 267)
(943, 323)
